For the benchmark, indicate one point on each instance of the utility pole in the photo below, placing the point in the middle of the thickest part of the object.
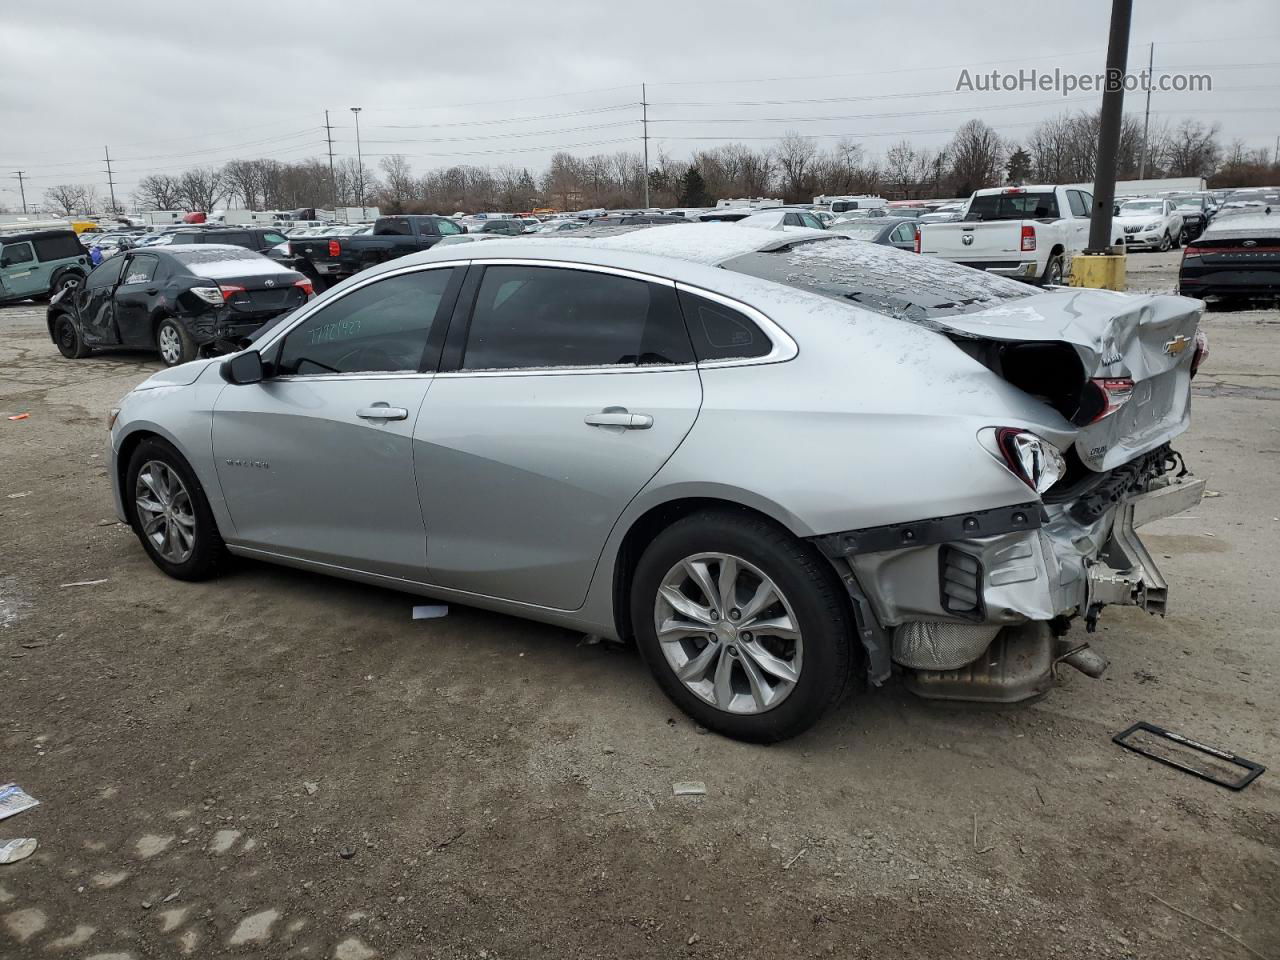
(644, 122)
(1146, 120)
(359, 161)
(21, 189)
(1104, 181)
(333, 180)
(111, 183)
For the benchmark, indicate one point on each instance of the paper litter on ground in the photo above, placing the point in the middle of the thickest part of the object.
(689, 788)
(11, 851)
(13, 799)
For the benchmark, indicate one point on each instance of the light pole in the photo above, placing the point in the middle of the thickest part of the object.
(359, 162)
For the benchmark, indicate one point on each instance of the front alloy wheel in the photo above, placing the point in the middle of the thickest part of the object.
(166, 515)
(728, 633)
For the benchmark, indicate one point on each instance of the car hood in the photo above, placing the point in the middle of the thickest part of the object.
(1138, 220)
(179, 376)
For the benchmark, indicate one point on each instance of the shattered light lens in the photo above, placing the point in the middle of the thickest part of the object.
(1034, 460)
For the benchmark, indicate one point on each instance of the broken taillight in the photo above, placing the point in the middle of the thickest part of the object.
(1113, 393)
(1201, 352)
(1032, 459)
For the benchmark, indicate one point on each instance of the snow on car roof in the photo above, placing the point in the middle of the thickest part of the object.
(706, 243)
(218, 260)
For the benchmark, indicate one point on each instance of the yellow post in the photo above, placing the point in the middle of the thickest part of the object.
(1102, 271)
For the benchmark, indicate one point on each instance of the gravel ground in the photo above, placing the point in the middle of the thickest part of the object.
(281, 765)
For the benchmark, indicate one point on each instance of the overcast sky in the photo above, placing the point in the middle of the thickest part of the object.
(170, 85)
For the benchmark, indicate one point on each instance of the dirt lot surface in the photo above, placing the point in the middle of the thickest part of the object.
(281, 765)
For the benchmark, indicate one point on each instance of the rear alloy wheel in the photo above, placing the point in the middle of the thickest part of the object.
(170, 513)
(744, 627)
(1053, 272)
(70, 343)
(174, 343)
(66, 282)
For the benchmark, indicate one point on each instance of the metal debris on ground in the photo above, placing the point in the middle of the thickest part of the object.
(689, 788)
(11, 851)
(310, 786)
(792, 862)
(13, 799)
(83, 583)
(18, 496)
(430, 611)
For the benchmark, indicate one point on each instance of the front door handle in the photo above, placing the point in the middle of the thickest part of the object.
(619, 417)
(380, 411)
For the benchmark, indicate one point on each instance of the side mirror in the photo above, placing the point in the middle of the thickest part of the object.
(243, 368)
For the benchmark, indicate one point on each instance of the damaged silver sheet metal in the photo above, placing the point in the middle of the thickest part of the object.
(943, 603)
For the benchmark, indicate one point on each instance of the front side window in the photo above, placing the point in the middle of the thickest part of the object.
(273, 238)
(380, 328)
(16, 253)
(526, 317)
(811, 221)
(447, 227)
(904, 233)
(106, 274)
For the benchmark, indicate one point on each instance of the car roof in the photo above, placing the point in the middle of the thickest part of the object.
(27, 235)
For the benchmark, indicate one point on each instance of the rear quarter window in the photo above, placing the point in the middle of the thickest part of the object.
(721, 333)
(58, 248)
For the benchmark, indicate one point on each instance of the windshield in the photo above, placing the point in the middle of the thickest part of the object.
(891, 282)
(1139, 207)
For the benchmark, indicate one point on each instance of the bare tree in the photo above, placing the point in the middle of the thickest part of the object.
(158, 191)
(67, 199)
(795, 156)
(399, 186)
(1193, 150)
(202, 188)
(977, 157)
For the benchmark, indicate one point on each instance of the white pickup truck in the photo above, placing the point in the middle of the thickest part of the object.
(1030, 233)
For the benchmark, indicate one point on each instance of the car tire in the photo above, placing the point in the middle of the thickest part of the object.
(67, 336)
(755, 703)
(1166, 243)
(1054, 272)
(177, 529)
(72, 278)
(173, 343)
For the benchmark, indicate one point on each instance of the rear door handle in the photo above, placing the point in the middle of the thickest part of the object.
(619, 417)
(380, 411)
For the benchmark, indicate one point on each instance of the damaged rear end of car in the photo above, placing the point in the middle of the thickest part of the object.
(978, 605)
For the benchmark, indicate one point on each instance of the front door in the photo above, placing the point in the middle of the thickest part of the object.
(20, 273)
(572, 389)
(134, 297)
(316, 461)
(95, 303)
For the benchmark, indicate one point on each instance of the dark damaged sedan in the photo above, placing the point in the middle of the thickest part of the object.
(174, 300)
(1236, 259)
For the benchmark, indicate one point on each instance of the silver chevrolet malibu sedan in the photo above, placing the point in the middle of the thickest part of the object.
(773, 460)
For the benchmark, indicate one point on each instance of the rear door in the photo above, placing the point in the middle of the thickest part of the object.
(316, 461)
(20, 274)
(563, 391)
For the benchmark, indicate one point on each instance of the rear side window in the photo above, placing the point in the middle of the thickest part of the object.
(393, 227)
(236, 240)
(533, 317)
(141, 269)
(16, 253)
(379, 328)
(1077, 204)
(106, 274)
(721, 333)
(60, 247)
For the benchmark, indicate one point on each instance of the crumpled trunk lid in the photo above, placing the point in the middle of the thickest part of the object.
(1149, 339)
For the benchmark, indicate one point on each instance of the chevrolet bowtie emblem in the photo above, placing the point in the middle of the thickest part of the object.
(1177, 345)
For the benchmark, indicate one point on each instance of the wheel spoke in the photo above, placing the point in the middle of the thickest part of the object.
(153, 523)
(674, 630)
(682, 604)
(764, 597)
(728, 583)
(700, 664)
(774, 666)
(149, 481)
(701, 575)
(723, 686)
(760, 690)
(781, 627)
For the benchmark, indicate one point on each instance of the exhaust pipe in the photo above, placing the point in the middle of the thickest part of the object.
(1087, 661)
